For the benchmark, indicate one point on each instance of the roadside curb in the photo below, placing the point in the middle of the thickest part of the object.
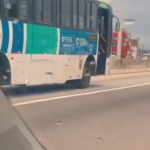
(129, 72)
(121, 73)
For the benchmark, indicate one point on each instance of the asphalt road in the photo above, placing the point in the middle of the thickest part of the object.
(112, 114)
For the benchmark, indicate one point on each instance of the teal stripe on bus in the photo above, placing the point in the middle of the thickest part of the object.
(5, 40)
(18, 37)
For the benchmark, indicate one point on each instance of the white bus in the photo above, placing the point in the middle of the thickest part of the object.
(54, 41)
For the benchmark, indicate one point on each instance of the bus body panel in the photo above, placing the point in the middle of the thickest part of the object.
(65, 67)
(46, 55)
(41, 54)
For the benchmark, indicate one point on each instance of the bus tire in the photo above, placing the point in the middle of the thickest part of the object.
(5, 74)
(86, 77)
(84, 81)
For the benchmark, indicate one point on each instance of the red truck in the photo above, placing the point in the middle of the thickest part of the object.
(125, 46)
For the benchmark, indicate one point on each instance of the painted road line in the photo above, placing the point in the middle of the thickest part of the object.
(76, 95)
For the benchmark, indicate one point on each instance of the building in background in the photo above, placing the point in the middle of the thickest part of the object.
(134, 44)
(125, 46)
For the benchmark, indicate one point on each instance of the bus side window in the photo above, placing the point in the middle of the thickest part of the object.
(23, 10)
(58, 12)
(10, 9)
(44, 11)
(102, 25)
(94, 17)
(47, 11)
(91, 16)
(65, 13)
(38, 7)
(88, 15)
(0, 7)
(81, 14)
(75, 13)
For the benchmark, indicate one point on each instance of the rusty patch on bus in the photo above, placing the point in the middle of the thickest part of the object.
(80, 64)
(93, 37)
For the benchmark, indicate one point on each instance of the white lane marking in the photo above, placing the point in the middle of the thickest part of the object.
(76, 95)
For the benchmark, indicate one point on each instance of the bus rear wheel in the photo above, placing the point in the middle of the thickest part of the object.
(84, 81)
(86, 78)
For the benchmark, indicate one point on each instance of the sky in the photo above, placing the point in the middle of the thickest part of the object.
(139, 10)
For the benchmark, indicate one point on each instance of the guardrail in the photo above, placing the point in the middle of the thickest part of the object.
(129, 64)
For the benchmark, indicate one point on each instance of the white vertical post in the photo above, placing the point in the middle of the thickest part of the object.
(121, 6)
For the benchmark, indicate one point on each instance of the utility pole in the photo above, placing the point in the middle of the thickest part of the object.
(142, 49)
(119, 45)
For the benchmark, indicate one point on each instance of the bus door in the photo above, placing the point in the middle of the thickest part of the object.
(105, 37)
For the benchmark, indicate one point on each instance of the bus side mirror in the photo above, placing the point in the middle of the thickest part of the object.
(117, 28)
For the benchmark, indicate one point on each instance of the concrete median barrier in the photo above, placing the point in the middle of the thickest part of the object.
(129, 64)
